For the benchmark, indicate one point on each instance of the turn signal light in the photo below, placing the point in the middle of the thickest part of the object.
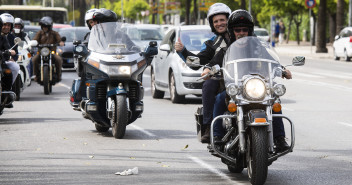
(232, 107)
(52, 52)
(277, 107)
(29, 55)
(350, 38)
(7, 71)
(94, 63)
(88, 84)
(260, 120)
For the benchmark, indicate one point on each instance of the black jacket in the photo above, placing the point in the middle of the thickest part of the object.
(11, 39)
(4, 45)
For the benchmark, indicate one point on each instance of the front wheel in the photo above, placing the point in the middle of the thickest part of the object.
(46, 80)
(257, 155)
(119, 118)
(16, 87)
(174, 96)
(156, 94)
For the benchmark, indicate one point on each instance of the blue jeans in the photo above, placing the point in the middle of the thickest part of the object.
(220, 108)
(209, 92)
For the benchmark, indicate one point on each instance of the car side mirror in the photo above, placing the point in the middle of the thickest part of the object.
(298, 61)
(193, 61)
(165, 47)
(337, 37)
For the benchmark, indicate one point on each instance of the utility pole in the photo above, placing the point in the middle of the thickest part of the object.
(250, 7)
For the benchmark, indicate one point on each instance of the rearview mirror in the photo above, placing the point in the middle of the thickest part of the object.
(17, 40)
(153, 43)
(76, 42)
(193, 61)
(63, 39)
(298, 61)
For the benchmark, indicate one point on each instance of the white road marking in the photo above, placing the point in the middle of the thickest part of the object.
(323, 84)
(346, 124)
(143, 130)
(212, 169)
(342, 76)
(63, 85)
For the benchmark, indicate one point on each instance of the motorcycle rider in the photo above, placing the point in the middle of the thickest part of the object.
(217, 16)
(47, 36)
(240, 24)
(19, 30)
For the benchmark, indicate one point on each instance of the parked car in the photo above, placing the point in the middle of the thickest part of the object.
(169, 72)
(142, 34)
(343, 44)
(262, 33)
(71, 34)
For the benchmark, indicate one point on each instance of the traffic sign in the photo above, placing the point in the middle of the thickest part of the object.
(310, 3)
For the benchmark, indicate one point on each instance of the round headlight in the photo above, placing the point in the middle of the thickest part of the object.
(254, 89)
(79, 49)
(232, 90)
(45, 52)
(279, 89)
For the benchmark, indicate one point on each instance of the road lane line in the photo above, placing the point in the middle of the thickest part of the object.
(143, 130)
(346, 124)
(323, 84)
(306, 75)
(212, 169)
(63, 85)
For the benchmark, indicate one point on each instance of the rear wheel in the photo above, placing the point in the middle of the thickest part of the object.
(46, 80)
(119, 118)
(16, 87)
(257, 155)
(155, 92)
(174, 96)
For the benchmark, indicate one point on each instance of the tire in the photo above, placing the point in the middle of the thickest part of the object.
(46, 80)
(335, 56)
(119, 118)
(174, 96)
(16, 87)
(156, 94)
(257, 155)
(347, 58)
(100, 128)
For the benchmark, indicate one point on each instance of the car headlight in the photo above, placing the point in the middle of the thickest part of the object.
(231, 89)
(254, 89)
(45, 52)
(279, 89)
(79, 49)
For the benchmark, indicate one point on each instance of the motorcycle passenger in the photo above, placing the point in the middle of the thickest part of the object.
(47, 36)
(19, 30)
(217, 16)
(89, 21)
(240, 24)
(8, 20)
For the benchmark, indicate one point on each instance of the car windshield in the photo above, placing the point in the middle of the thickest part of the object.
(144, 34)
(107, 38)
(193, 39)
(261, 33)
(250, 56)
(72, 34)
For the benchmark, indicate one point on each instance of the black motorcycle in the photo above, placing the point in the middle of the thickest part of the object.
(112, 92)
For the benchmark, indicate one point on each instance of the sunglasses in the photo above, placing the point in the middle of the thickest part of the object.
(238, 30)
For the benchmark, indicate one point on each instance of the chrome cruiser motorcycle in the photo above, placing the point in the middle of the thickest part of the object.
(250, 71)
(113, 91)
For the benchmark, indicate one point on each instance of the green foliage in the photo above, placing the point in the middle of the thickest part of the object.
(130, 7)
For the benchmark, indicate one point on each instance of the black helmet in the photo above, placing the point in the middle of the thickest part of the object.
(240, 18)
(216, 9)
(47, 22)
(104, 15)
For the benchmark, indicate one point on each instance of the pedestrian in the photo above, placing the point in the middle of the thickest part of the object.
(282, 32)
(277, 32)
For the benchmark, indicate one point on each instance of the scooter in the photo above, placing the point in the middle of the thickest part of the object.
(111, 79)
(250, 72)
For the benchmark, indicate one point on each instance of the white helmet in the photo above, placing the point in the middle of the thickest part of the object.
(7, 18)
(215, 9)
(89, 16)
(20, 22)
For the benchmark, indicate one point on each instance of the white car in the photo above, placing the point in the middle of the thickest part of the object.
(343, 44)
(169, 73)
(262, 33)
(142, 34)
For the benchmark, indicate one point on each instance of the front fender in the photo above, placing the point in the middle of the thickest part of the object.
(116, 91)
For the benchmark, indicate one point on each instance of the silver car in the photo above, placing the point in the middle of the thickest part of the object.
(142, 34)
(169, 72)
(343, 44)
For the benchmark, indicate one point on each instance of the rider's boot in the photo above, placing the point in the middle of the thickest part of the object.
(206, 136)
(281, 144)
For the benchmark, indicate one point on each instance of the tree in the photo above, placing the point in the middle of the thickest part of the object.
(321, 32)
(340, 15)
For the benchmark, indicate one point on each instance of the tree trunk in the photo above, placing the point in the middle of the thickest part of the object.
(332, 27)
(314, 29)
(298, 23)
(321, 33)
(195, 11)
(289, 29)
(188, 9)
(243, 4)
(339, 15)
(82, 11)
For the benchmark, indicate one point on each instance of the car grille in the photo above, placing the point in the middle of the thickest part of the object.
(192, 85)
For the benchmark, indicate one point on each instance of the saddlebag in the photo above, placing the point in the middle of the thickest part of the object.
(199, 120)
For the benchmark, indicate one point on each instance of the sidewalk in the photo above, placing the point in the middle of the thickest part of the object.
(303, 49)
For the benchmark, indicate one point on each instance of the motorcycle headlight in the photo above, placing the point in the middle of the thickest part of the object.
(117, 70)
(254, 89)
(45, 52)
(79, 49)
(279, 89)
(232, 90)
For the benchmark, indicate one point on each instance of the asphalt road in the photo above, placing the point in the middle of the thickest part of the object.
(43, 141)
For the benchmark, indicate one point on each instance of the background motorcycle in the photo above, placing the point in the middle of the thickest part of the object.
(112, 79)
(250, 69)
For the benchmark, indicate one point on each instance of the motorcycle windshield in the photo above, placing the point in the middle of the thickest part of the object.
(108, 38)
(250, 56)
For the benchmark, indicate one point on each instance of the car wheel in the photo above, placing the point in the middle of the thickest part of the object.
(156, 94)
(347, 58)
(335, 56)
(174, 96)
